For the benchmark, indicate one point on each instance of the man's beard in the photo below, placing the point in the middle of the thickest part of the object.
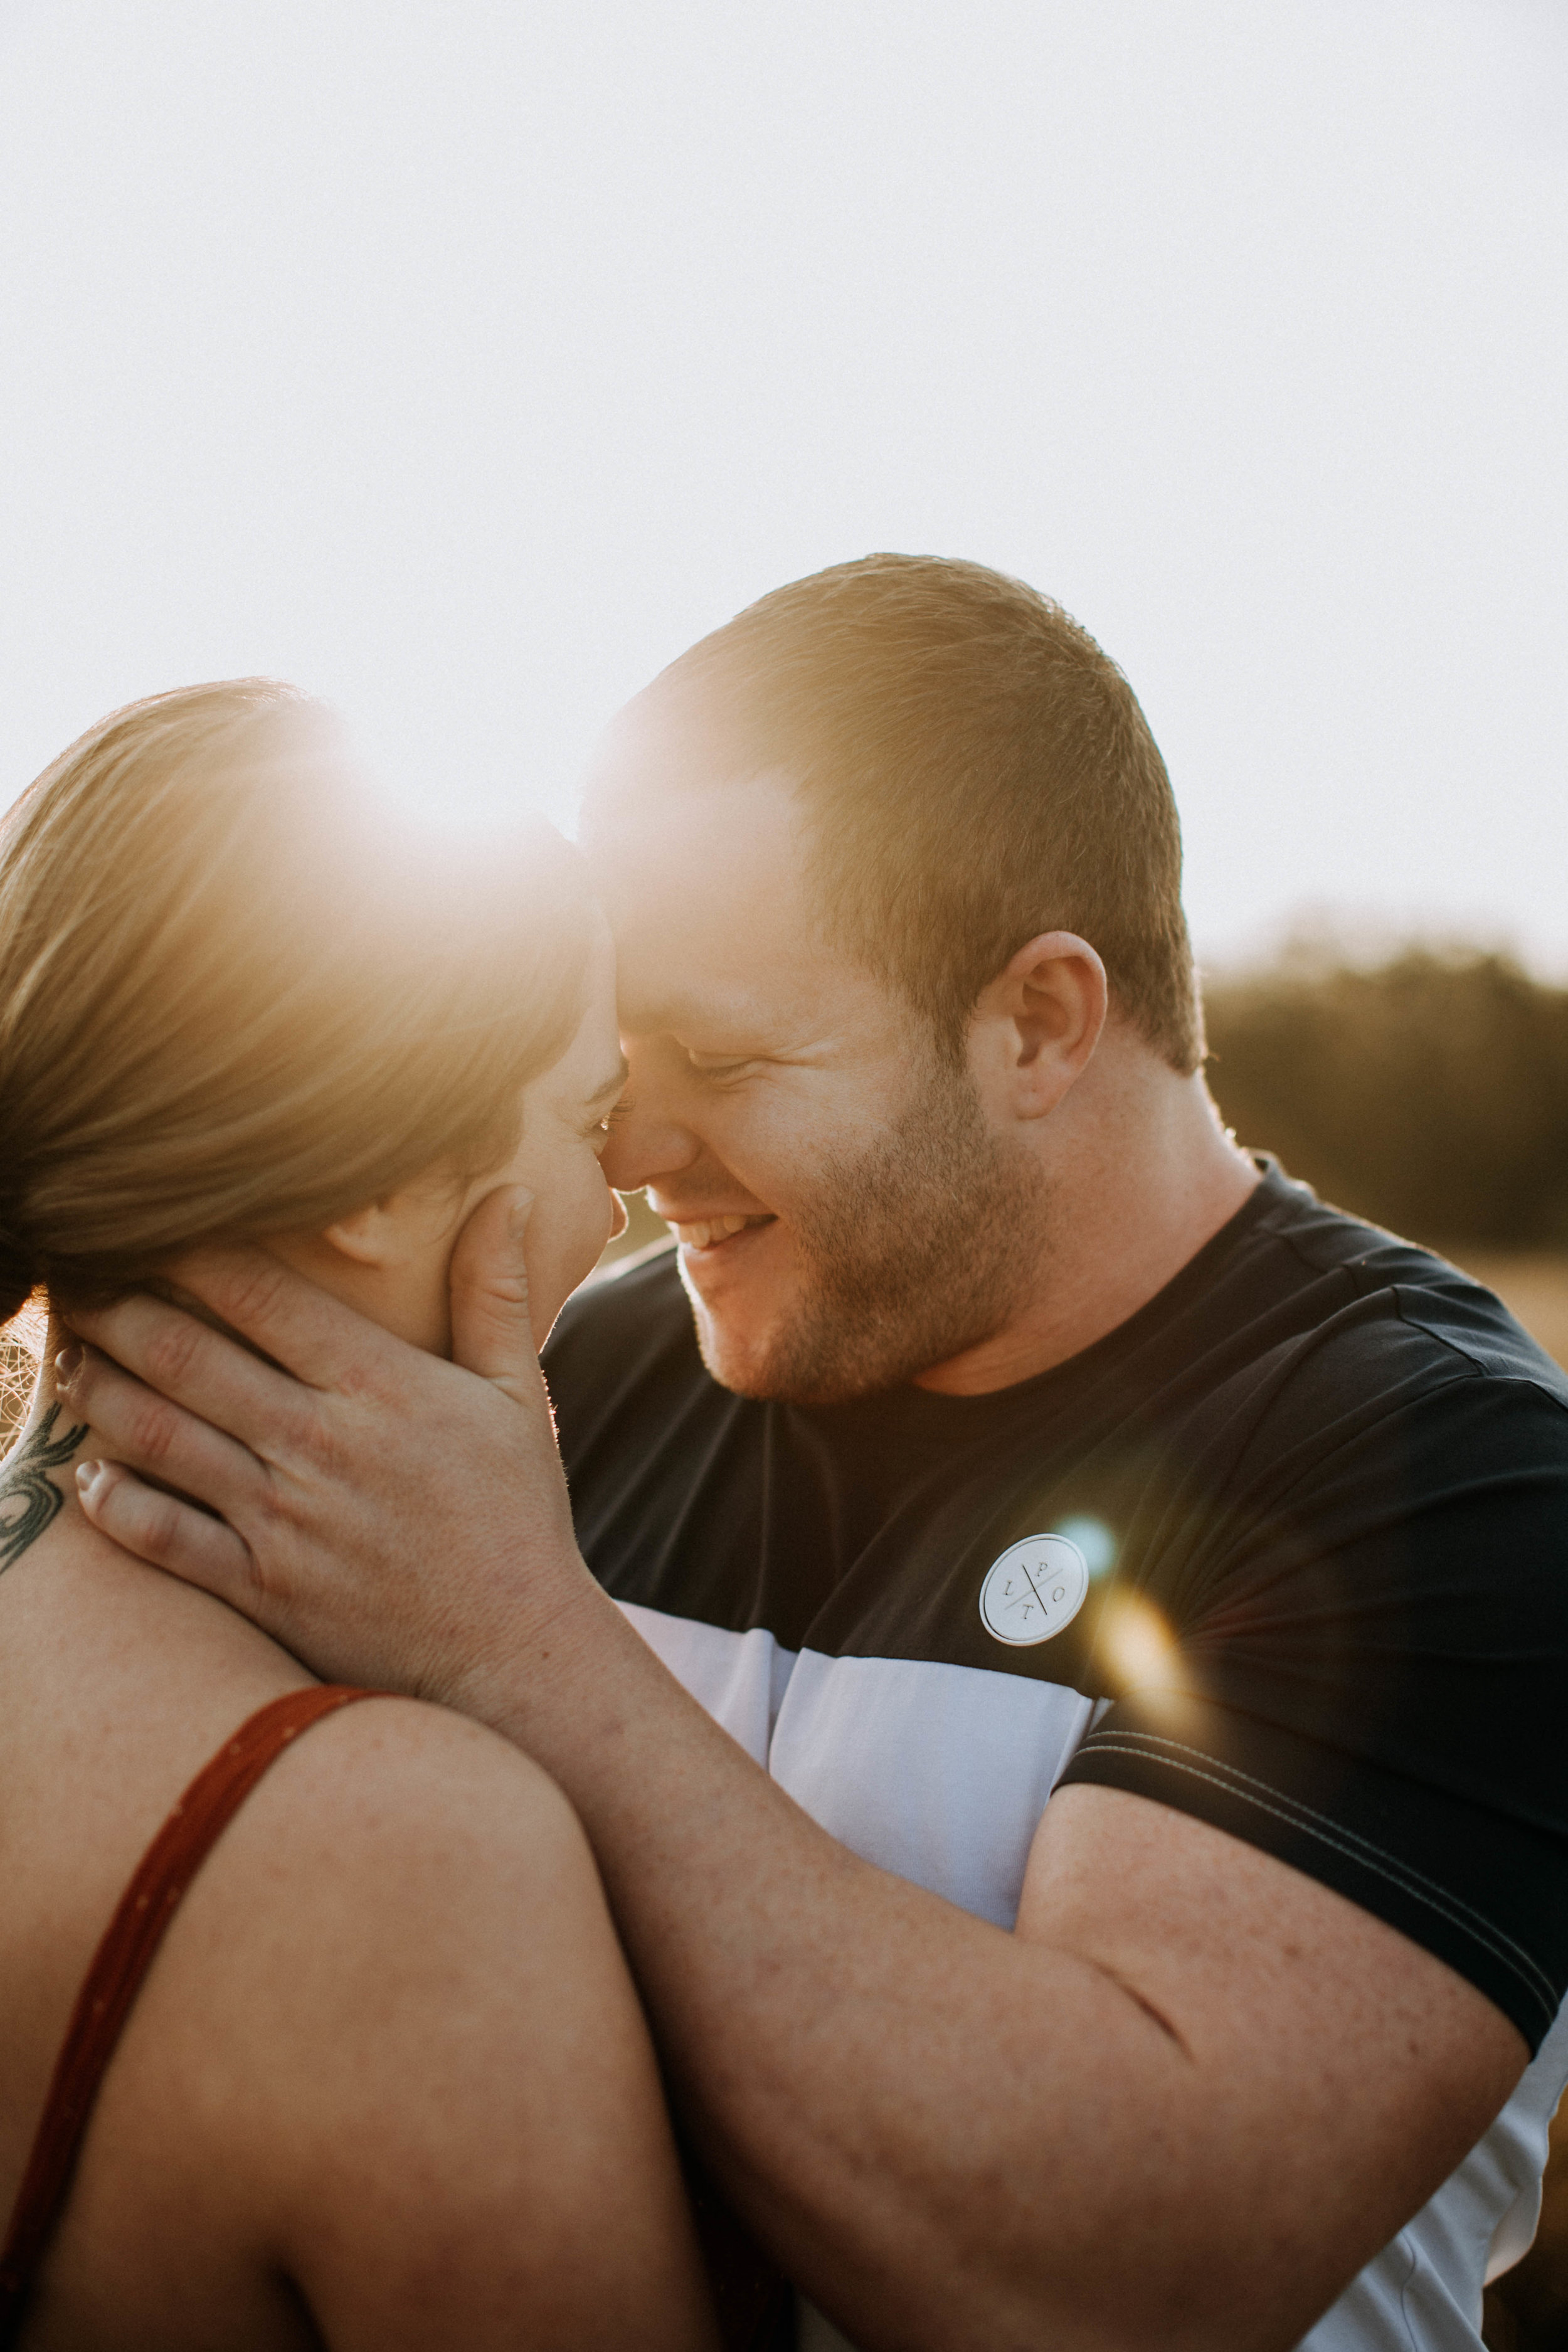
(908, 1254)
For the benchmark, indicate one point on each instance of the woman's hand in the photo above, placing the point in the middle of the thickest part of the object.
(389, 1518)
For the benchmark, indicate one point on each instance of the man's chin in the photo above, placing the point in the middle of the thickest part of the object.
(753, 1358)
(795, 1359)
(739, 1357)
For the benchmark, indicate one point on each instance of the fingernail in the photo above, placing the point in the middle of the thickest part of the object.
(86, 1472)
(522, 1202)
(67, 1363)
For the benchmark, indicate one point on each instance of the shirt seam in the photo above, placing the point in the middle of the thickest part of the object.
(1473, 1364)
(1394, 1288)
(1339, 1829)
(1306, 1819)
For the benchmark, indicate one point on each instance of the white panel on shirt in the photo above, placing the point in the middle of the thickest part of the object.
(940, 1773)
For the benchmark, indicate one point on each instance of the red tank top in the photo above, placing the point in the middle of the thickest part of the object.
(121, 1961)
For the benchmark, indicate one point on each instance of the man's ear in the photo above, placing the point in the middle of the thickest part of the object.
(1037, 1023)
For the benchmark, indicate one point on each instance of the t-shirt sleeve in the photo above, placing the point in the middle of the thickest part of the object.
(1370, 1662)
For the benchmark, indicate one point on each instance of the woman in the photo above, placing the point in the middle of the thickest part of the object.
(384, 2082)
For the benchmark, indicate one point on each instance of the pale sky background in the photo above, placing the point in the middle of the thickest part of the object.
(464, 362)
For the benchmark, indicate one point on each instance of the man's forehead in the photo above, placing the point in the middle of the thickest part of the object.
(706, 893)
(691, 790)
(684, 1004)
(732, 965)
(706, 882)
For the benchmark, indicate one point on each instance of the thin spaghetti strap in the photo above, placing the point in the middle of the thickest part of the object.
(123, 1960)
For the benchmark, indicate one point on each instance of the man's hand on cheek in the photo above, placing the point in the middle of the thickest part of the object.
(389, 1518)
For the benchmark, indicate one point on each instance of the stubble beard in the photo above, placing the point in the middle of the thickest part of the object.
(910, 1253)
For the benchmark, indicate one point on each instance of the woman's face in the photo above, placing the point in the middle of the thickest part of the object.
(391, 1258)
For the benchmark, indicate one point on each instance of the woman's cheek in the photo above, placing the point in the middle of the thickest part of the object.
(588, 1217)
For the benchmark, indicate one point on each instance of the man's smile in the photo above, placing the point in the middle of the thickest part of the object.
(709, 1234)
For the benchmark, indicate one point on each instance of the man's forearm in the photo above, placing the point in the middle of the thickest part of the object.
(895, 2093)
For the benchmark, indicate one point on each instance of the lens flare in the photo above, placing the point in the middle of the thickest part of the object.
(1094, 1539)
(1139, 1647)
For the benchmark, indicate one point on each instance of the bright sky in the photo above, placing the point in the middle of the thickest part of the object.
(464, 363)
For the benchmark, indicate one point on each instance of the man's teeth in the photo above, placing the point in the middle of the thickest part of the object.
(712, 1229)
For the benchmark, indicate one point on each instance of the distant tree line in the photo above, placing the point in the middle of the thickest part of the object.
(1428, 1093)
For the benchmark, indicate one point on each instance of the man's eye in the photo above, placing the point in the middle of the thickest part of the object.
(706, 1066)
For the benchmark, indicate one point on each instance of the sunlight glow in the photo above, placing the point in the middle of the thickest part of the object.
(1138, 1645)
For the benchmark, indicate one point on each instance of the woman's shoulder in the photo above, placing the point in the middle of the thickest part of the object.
(390, 1788)
(394, 1847)
(118, 1686)
(379, 2005)
(392, 2061)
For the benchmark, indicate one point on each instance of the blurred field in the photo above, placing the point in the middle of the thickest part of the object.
(1428, 1093)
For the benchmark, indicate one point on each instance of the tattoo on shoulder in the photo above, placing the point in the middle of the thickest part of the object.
(29, 1499)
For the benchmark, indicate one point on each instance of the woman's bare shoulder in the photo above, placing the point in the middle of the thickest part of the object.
(118, 1685)
(395, 1861)
(391, 1786)
(388, 2052)
(391, 2015)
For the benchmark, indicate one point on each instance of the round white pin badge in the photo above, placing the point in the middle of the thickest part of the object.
(1034, 1590)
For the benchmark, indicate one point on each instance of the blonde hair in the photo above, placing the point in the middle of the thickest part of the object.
(235, 999)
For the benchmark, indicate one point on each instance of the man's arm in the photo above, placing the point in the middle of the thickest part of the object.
(1181, 2104)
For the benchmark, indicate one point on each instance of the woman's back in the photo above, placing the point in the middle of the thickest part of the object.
(385, 2083)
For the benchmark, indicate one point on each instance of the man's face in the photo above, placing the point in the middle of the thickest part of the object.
(848, 1217)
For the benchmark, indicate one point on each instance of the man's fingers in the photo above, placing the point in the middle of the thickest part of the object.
(146, 1429)
(191, 1364)
(491, 1333)
(168, 1533)
(293, 1320)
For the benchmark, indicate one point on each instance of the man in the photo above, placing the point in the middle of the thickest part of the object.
(1030, 1438)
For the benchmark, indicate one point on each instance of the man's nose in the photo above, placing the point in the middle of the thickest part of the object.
(651, 1137)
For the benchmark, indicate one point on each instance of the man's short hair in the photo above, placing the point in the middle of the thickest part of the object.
(976, 771)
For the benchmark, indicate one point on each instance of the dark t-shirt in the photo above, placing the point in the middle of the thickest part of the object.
(1288, 1551)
